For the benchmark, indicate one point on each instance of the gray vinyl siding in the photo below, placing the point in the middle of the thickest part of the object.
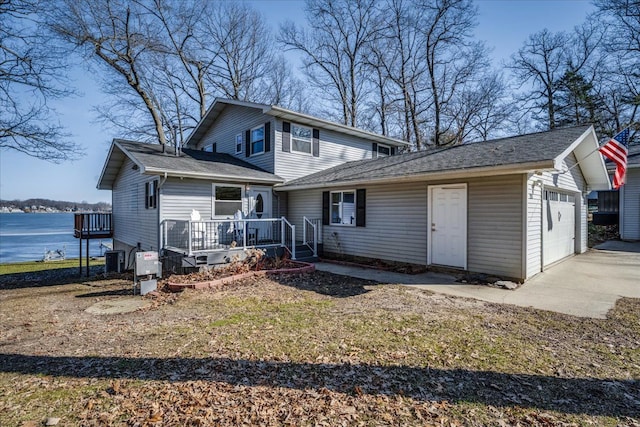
(335, 149)
(570, 182)
(132, 222)
(630, 206)
(397, 224)
(234, 120)
(534, 226)
(179, 197)
(495, 226)
(280, 204)
(395, 229)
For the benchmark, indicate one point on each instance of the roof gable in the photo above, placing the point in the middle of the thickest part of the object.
(282, 113)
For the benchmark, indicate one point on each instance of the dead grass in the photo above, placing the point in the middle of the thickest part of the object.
(317, 349)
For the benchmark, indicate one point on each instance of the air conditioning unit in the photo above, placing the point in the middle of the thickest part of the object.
(114, 261)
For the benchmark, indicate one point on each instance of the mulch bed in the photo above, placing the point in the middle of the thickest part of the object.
(218, 278)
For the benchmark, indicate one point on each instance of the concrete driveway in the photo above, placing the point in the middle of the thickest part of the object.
(586, 285)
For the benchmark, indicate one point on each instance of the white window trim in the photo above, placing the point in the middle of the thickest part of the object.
(251, 141)
(382, 154)
(310, 153)
(213, 199)
(151, 188)
(238, 136)
(355, 207)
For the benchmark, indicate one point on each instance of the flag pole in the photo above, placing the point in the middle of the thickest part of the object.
(585, 157)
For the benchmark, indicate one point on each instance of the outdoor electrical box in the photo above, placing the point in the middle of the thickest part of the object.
(147, 272)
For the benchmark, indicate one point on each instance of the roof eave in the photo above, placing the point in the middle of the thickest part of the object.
(589, 160)
(210, 176)
(283, 113)
(433, 176)
(103, 183)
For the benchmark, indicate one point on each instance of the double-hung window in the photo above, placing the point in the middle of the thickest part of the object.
(300, 139)
(343, 207)
(384, 150)
(239, 143)
(257, 140)
(227, 200)
(151, 194)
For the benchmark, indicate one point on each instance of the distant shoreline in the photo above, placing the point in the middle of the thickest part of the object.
(49, 212)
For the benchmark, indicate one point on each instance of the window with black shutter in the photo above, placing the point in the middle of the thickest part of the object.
(151, 194)
(316, 143)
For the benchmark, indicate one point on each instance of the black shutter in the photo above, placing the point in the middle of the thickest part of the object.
(316, 143)
(374, 150)
(247, 143)
(325, 207)
(286, 137)
(267, 137)
(146, 195)
(361, 211)
(393, 151)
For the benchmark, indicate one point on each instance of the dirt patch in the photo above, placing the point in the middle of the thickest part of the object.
(315, 349)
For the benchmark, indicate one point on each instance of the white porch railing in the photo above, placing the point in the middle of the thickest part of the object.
(194, 237)
(310, 234)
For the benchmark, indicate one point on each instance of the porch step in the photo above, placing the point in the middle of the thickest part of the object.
(303, 253)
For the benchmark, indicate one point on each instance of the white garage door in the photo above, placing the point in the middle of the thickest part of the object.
(559, 226)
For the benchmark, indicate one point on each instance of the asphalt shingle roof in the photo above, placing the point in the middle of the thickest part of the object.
(194, 162)
(530, 148)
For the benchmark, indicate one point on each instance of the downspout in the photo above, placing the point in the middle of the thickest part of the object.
(160, 227)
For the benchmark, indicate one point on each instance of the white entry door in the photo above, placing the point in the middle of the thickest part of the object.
(558, 226)
(259, 208)
(448, 225)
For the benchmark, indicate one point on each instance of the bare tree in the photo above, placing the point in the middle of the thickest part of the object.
(400, 58)
(118, 36)
(622, 87)
(241, 43)
(452, 58)
(334, 49)
(280, 87)
(31, 74)
(560, 69)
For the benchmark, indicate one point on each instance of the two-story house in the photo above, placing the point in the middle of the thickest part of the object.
(261, 175)
(231, 162)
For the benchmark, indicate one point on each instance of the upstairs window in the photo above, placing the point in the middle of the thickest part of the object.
(227, 200)
(257, 140)
(384, 150)
(300, 139)
(239, 143)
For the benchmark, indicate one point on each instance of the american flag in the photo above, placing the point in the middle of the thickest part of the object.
(616, 151)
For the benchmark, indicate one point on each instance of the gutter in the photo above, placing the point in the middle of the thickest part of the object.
(195, 175)
(281, 113)
(432, 176)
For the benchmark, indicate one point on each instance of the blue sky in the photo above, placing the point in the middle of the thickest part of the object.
(503, 24)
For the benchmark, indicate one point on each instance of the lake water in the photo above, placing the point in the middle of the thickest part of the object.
(26, 236)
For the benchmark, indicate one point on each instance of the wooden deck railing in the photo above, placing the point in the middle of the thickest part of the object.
(92, 225)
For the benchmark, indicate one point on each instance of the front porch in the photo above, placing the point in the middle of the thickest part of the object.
(217, 241)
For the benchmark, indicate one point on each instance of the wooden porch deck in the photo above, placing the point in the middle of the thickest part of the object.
(92, 226)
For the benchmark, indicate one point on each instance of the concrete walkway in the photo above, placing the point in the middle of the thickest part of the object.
(586, 285)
